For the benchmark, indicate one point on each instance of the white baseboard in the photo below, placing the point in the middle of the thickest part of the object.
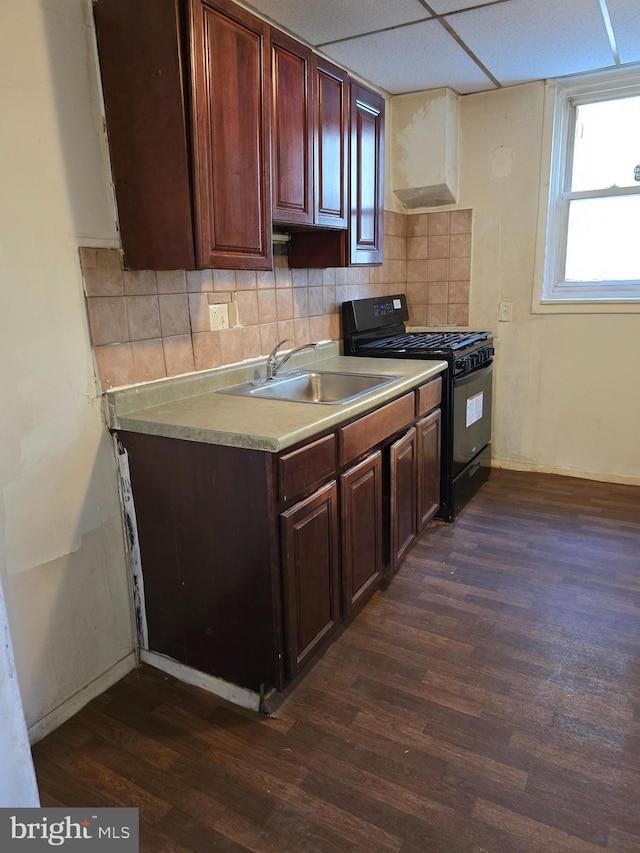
(231, 692)
(74, 703)
(620, 479)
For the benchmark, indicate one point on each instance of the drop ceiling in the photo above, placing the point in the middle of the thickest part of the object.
(468, 45)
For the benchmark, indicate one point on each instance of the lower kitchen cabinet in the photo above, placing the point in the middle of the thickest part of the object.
(362, 528)
(428, 432)
(319, 588)
(251, 561)
(415, 483)
(310, 575)
(209, 555)
(403, 495)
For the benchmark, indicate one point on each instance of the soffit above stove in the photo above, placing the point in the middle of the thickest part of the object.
(466, 45)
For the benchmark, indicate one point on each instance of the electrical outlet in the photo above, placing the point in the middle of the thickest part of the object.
(505, 312)
(218, 316)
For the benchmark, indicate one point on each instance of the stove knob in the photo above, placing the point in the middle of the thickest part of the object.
(462, 363)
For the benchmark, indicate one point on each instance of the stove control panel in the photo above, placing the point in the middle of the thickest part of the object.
(376, 312)
(473, 359)
(387, 307)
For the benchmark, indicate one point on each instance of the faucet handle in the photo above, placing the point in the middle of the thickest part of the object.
(277, 347)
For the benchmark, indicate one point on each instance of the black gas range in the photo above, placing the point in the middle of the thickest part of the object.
(375, 328)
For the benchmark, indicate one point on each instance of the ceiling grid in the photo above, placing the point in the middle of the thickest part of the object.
(465, 45)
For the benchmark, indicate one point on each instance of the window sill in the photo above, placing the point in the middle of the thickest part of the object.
(585, 306)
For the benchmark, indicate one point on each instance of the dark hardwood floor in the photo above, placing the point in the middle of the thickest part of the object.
(488, 700)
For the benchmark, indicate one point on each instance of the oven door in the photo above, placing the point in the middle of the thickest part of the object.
(471, 414)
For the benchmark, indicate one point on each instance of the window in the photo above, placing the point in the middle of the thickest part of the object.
(591, 217)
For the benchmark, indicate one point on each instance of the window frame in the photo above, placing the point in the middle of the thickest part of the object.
(550, 293)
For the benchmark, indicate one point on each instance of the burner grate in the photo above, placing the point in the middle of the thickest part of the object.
(426, 341)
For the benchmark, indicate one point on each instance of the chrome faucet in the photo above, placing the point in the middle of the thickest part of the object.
(273, 365)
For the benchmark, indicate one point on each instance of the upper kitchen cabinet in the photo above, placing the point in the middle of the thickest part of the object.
(367, 165)
(231, 85)
(309, 136)
(292, 135)
(187, 88)
(331, 145)
(362, 242)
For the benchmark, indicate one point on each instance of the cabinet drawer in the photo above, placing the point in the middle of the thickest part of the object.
(428, 396)
(306, 467)
(358, 437)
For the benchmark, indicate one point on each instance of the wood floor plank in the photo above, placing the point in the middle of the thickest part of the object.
(487, 701)
(534, 836)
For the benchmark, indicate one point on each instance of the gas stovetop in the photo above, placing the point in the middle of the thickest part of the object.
(376, 327)
(425, 341)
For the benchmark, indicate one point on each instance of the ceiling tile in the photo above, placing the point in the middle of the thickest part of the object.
(330, 20)
(537, 38)
(625, 20)
(442, 7)
(416, 57)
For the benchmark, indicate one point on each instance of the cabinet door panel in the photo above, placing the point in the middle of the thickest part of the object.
(367, 158)
(292, 138)
(403, 496)
(231, 72)
(429, 431)
(361, 511)
(310, 575)
(331, 145)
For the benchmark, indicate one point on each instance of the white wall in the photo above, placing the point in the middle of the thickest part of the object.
(567, 394)
(62, 558)
(17, 778)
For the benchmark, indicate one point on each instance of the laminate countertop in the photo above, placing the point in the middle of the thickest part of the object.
(191, 408)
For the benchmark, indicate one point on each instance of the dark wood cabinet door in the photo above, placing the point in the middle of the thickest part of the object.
(362, 242)
(367, 179)
(310, 575)
(331, 145)
(361, 512)
(403, 496)
(429, 437)
(292, 134)
(231, 89)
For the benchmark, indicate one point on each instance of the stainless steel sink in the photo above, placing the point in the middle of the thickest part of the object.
(313, 387)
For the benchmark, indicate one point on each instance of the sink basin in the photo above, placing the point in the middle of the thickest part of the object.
(313, 387)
